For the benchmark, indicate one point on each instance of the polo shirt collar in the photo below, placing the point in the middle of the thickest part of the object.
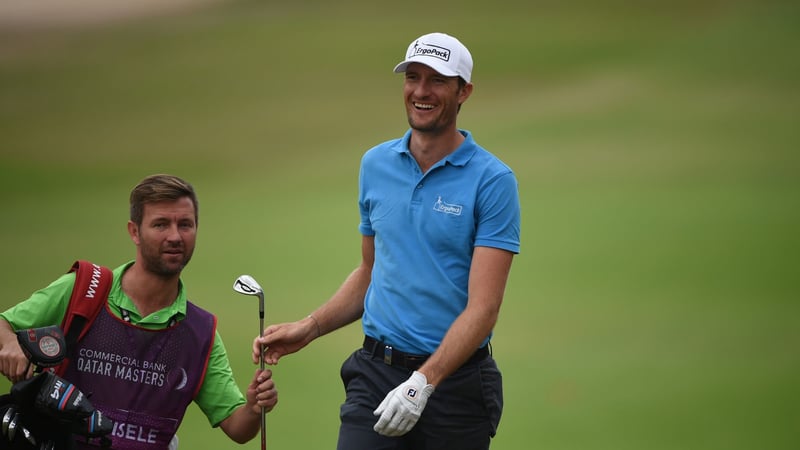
(459, 157)
(162, 317)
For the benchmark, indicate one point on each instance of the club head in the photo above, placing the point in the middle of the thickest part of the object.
(7, 419)
(247, 285)
(29, 436)
(12, 428)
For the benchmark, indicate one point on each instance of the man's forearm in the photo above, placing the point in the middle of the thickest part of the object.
(243, 424)
(346, 305)
(460, 342)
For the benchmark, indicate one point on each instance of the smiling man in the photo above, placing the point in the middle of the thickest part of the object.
(440, 223)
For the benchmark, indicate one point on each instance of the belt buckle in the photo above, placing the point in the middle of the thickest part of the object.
(387, 355)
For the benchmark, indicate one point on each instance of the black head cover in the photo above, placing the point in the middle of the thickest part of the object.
(52, 410)
(47, 409)
(44, 347)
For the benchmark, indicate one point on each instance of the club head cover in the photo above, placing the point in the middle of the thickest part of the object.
(61, 399)
(96, 425)
(58, 409)
(23, 393)
(44, 347)
(33, 429)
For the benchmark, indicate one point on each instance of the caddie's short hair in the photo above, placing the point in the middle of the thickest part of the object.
(160, 188)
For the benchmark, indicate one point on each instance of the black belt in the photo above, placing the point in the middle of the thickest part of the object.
(395, 357)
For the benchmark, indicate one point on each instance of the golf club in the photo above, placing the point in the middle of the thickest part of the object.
(247, 285)
(7, 419)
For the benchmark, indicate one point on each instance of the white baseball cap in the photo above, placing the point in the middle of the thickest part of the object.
(442, 53)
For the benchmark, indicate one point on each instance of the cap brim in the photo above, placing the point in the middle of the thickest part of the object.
(401, 67)
(404, 65)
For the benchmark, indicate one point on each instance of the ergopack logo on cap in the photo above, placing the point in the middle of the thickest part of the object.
(423, 49)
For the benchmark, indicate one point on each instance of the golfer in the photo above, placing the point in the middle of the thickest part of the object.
(440, 223)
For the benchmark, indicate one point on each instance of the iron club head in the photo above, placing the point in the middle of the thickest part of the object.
(12, 427)
(247, 285)
(7, 419)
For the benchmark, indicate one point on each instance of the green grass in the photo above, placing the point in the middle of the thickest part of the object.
(655, 302)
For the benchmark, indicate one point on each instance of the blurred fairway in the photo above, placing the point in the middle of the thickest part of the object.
(655, 301)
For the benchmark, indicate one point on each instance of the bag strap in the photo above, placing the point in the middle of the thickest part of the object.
(89, 295)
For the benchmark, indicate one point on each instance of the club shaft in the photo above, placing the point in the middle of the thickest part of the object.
(263, 411)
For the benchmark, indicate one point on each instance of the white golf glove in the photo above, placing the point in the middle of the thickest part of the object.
(402, 407)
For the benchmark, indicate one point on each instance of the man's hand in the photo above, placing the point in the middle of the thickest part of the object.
(261, 392)
(243, 424)
(283, 339)
(13, 362)
(402, 407)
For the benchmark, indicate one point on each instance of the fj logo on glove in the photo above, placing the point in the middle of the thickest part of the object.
(411, 393)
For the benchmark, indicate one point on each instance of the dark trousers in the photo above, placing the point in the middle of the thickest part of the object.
(463, 413)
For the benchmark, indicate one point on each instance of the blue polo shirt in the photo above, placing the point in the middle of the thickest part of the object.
(426, 227)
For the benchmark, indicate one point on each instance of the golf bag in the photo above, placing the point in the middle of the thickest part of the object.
(46, 411)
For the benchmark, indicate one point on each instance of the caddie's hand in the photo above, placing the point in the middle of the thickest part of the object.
(13, 362)
(402, 407)
(261, 392)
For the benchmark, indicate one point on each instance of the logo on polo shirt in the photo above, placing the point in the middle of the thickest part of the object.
(447, 208)
(423, 49)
